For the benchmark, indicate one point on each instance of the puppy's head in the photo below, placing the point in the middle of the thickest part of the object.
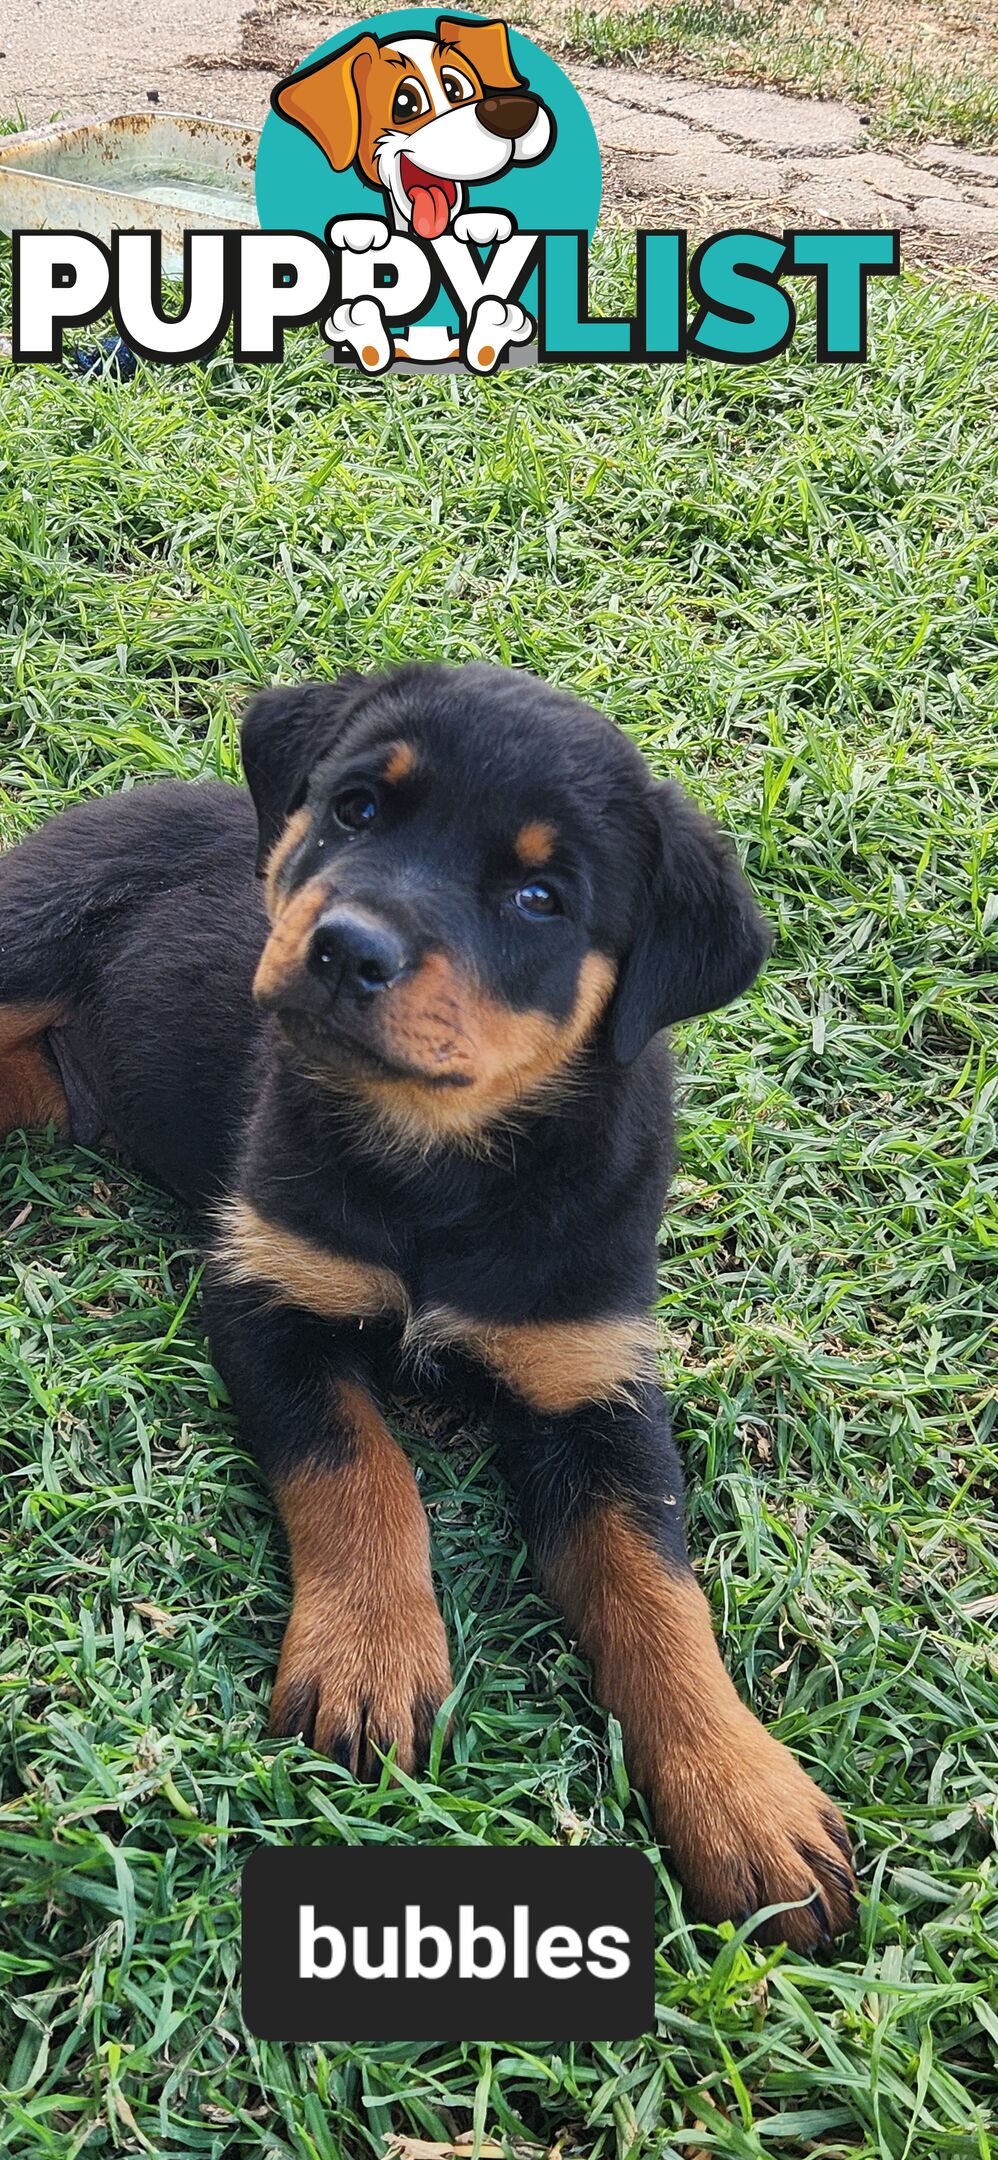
(421, 117)
(470, 879)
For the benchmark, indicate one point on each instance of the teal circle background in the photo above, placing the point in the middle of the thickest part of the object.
(298, 191)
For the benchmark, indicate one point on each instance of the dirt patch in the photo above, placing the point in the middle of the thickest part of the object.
(272, 40)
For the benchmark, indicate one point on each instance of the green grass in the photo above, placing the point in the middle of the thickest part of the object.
(769, 42)
(780, 581)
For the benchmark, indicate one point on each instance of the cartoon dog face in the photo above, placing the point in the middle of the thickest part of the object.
(421, 117)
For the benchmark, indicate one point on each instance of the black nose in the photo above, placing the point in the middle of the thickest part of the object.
(355, 952)
(508, 113)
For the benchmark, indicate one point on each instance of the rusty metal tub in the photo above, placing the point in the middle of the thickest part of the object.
(165, 172)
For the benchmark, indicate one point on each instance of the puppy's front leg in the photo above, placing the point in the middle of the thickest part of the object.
(364, 1663)
(601, 1495)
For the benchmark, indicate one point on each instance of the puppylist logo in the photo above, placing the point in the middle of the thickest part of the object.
(454, 174)
(427, 189)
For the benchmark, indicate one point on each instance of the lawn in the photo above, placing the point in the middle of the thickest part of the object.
(780, 581)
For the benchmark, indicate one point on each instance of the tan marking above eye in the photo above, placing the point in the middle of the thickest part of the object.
(534, 844)
(298, 1272)
(554, 1365)
(401, 763)
(284, 847)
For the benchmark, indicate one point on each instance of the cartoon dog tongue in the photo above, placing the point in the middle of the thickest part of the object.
(429, 210)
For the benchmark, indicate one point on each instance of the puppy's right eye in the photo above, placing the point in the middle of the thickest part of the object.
(409, 102)
(537, 899)
(355, 808)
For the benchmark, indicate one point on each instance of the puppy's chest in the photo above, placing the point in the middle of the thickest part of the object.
(444, 1296)
(362, 1272)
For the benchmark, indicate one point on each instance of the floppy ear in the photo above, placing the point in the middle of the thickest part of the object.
(486, 45)
(701, 939)
(325, 100)
(284, 733)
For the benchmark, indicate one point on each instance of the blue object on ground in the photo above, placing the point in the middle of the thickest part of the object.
(111, 357)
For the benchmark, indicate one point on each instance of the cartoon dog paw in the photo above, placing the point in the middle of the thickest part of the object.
(361, 325)
(494, 326)
(483, 227)
(359, 234)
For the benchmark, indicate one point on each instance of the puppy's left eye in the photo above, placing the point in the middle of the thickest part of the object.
(456, 87)
(355, 808)
(537, 898)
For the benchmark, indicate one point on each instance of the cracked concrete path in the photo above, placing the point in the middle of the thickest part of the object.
(676, 152)
(701, 153)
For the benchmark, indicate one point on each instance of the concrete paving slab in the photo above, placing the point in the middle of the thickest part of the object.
(648, 134)
(979, 165)
(884, 173)
(964, 221)
(829, 201)
(734, 112)
(767, 118)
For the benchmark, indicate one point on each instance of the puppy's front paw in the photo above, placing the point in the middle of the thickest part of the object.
(748, 1828)
(353, 1682)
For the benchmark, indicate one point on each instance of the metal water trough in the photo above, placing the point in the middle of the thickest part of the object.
(164, 172)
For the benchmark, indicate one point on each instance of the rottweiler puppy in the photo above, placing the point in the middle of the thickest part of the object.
(399, 1038)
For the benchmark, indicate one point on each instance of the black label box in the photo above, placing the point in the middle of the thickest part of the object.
(448, 1943)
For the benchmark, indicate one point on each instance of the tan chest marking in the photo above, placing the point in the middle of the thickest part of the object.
(21, 1025)
(252, 1250)
(553, 1365)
